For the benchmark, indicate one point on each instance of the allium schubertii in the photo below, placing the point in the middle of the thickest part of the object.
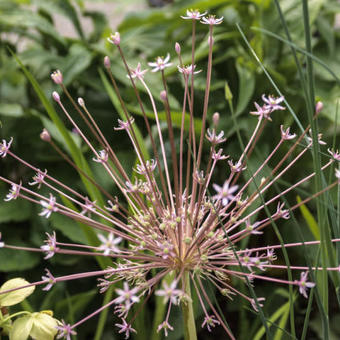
(172, 231)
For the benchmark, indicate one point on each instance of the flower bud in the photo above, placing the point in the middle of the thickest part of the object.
(163, 95)
(107, 62)
(56, 96)
(81, 102)
(45, 135)
(57, 77)
(114, 38)
(178, 48)
(216, 118)
(318, 107)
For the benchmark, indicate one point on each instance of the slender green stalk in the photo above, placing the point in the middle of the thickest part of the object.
(188, 313)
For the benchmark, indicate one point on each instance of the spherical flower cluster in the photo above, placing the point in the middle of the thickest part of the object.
(169, 235)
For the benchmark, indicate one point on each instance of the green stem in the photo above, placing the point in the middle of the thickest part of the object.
(188, 313)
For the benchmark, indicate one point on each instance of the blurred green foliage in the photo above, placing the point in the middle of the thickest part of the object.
(28, 29)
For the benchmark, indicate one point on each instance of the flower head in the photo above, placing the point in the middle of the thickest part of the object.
(126, 295)
(38, 178)
(303, 284)
(102, 157)
(165, 326)
(211, 20)
(209, 322)
(109, 244)
(4, 147)
(114, 38)
(65, 331)
(137, 72)
(57, 77)
(334, 154)
(272, 103)
(14, 192)
(163, 232)
(160, 64)
(285, 134)
(193, 14)
(170, 292)
(2, 244)
(51, 280)
(224, 193)
(48, 207)
(125, 328)
(50, 247)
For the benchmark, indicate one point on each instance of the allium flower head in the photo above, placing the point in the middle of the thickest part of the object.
(164, 233)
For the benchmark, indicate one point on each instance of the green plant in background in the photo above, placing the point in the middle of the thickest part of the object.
(38, 325)
(147, 34)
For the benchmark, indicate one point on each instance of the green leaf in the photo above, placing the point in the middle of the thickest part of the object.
(77, 61)
(311, 222)
(115, 101)
(27, 19)
(13, 261)
(11, 110)
(246, 86)
(78, 302)
(16, 296)
(68, 227)
(14, 210)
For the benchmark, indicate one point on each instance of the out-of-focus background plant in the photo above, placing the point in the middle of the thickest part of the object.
(71, 36)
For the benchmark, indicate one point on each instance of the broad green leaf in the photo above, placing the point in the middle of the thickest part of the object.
(68, 227)
(14, 210)
(28, 19)
(16, 296)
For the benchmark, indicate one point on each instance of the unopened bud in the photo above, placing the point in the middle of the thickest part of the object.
(56, 96)
(57, 77)
(227, 92)
(81, 102)
(216, 118)
(114, 38)
(45, 135)
(318, 107)
(178, 48)
(107, 62)
(163, 95)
